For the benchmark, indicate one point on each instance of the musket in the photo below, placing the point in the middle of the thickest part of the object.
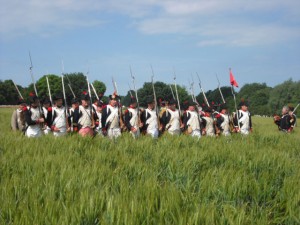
(295, 108)
(136, 96)
(122, 124)
(155, 100)
(65, 101)
(49, 91)
(172, 91)
(220, 90)
(204, 95)
(94, 90)
(90, 97)
(32, 77)
(177, 97)
(20, 95)
(130, 90)
(69, 84)
(35, 90)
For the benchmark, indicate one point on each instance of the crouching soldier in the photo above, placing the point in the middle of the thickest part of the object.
(285, 122)
(111, 118)
(34, 118)
(17, 118)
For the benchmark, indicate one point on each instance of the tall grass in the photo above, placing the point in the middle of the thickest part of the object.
(174, 180)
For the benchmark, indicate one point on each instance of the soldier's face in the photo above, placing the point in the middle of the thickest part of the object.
(192, 108)
(113, 102)
(99, 109)
(244, 108)
(133, 105)
(284, 110)
(151, 105)
(21, 106)
(59, 102)
(84, 103)
(224, 111)
(172, 107)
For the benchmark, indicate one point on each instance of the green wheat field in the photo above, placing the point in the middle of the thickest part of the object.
(174, 180)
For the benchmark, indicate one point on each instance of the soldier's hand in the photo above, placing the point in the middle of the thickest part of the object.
(54, 128)
(41, 120)
(68, 129)
(133, 129)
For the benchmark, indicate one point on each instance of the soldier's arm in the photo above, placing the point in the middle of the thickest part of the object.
(27, 116)
(127, 119)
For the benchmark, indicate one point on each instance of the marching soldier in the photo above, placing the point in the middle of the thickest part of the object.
(34, 118)
(75, 106)
(17, 118)
(132, 119)
(208, 123)
(149, 119)
(171, 120)
(47, 109)
(111, 119)
(242, 121)
(223, 120)
(285, 122)
(98, 116)
(191, 121)
(83, 117)
(59, 124)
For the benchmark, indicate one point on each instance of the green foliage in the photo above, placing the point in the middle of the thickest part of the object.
(174, 180)
(100, 87)
(8, 93)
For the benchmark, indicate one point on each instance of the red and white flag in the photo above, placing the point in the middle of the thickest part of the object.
(232, 79)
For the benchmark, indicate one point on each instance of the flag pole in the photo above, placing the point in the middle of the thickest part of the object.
(232, 82)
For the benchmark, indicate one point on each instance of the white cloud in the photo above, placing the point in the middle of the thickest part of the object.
(213, 22)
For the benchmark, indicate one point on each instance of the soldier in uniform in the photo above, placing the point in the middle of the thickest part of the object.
(111, 119)
(149, 119)
(242, 121)
(132, 118)
(223, 120)
(191, 121)
(208, 123)
(98, 116)
(285, 122)
(17, 118)
(47, 110)
(171, 120)
(293, 115)
(83, 117)
(34, 118)
(59, 124)
(75, 106)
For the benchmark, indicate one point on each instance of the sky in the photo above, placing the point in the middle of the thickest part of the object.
(259, 40)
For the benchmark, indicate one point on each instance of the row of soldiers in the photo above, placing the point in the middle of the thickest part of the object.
(109, 120)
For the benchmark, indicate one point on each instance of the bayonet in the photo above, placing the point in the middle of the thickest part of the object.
(20, 95)
(220, 90)
(204, 95)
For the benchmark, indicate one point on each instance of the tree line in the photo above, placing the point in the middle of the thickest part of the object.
(263, 100)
